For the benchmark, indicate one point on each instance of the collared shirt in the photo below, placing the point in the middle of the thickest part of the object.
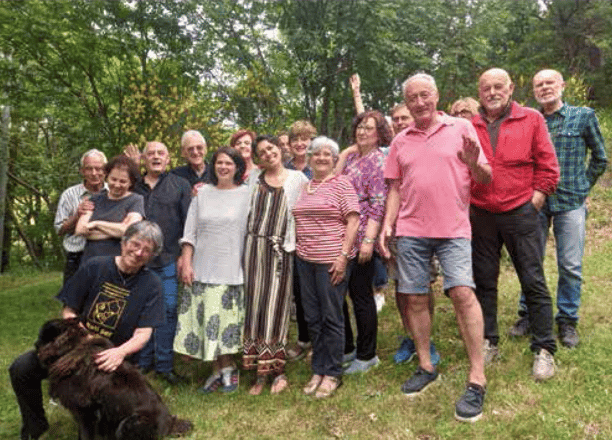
(574, 130)
(306, 170)
(186, 172)
(167, 205)
(493, 127)
(67, 206)
(434, 184)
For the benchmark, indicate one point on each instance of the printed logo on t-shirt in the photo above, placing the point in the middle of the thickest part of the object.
(107, 309)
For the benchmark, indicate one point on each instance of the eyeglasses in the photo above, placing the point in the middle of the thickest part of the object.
(365, 127)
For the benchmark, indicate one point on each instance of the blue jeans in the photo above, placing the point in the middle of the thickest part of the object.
(322, 303)
(569, 230)
(159, 352)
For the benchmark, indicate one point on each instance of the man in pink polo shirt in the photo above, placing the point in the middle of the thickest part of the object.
(429, 169)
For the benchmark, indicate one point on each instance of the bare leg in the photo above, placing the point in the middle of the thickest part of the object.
(471, 327)
(420, 326)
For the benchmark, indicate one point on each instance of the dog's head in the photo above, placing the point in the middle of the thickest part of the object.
(57, 337)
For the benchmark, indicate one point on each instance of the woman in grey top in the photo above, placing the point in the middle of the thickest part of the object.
(211, 308)
(114, 210)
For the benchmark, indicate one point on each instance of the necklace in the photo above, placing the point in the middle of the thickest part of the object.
(309, 189)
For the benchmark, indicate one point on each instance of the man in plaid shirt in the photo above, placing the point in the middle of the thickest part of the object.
(576, 137)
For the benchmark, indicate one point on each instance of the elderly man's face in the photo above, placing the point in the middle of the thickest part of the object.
(401, 119)
(156, 158)
(422, 101)
(495, 90)
(548, 87)
(93, 171)
(194, 150)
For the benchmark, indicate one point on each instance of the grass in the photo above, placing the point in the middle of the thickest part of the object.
(575, 404)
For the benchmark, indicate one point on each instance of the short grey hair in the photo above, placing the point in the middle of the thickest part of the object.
(323, 142)
(93, 152)
(145, 230)
(422, 76)
(191, 133)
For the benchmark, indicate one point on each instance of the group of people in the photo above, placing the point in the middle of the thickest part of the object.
(272, 218)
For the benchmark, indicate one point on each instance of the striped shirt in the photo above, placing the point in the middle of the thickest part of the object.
(67, 206)
(574, 131)
(320, 219)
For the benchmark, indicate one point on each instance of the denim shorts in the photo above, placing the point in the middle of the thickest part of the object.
(413, 263)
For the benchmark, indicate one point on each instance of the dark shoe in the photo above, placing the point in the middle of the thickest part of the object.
(172, 378)
(520, 327)
(469, 406)
(420, 380)
(568, 335)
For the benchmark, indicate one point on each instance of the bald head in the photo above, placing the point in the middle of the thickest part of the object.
(495, 91)
(548, 89)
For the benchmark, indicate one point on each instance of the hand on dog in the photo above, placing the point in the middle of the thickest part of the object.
(109, 360)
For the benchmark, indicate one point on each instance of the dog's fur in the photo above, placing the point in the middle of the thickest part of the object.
(115, 406)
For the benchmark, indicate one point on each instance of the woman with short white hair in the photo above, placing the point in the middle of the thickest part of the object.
(326, 217)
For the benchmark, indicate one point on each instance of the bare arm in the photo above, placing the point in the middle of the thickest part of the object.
(342, 158)
(338, 267)
(186, 271)
(115, 229)
(109, 360)
(392, 209)
(367, 244)
(355, 82)
(481, 172)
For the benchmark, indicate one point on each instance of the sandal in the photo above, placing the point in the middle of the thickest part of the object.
(313, 384)
(328, 386)
(230, 380)
(279, 384)
(258, 386)
(211, 384)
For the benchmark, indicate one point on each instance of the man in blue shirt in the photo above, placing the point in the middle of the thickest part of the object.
(581, 153)
(167, 198)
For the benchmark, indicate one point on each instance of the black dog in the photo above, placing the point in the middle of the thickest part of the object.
(116, 406)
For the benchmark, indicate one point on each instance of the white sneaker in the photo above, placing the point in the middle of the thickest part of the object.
(543, 365)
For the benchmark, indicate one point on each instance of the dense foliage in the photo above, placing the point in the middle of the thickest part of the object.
(79, 74)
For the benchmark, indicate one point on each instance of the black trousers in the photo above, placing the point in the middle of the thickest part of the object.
(364, 307)
(519, 230)
(73, 260)
(27, 375)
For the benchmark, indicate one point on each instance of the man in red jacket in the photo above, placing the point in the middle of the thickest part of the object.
(516, 143)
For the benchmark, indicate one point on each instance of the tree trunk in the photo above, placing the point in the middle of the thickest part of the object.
(4, 160)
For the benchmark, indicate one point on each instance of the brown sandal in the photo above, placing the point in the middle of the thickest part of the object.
(313, 384)
(279, 384)
(328, 386)
(258, 386)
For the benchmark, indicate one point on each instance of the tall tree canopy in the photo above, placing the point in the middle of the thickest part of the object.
(79, 74)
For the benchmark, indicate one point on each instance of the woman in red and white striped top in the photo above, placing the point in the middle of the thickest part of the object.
(327, 218)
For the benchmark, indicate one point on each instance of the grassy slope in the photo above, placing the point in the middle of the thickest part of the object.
(573, 405)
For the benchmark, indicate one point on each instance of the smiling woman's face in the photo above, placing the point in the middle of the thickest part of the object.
(243, 145)
(225, 168)
(270, 155)
(119, 183)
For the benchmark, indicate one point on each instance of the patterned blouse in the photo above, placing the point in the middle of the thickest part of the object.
(366, 175)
